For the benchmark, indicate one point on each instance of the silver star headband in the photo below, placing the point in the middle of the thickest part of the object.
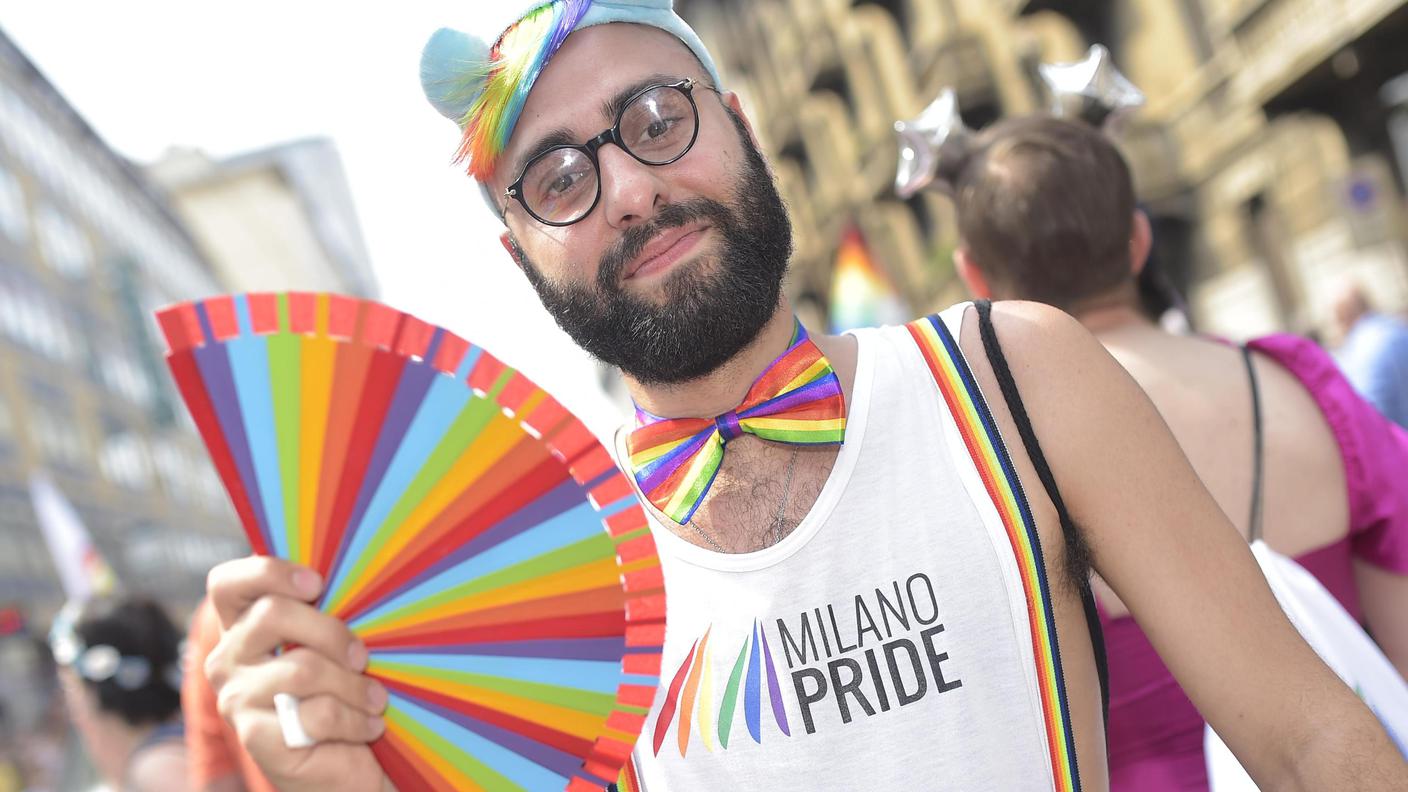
(1091, 90)
(932, 147)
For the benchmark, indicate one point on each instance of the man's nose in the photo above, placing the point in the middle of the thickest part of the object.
(631, 191)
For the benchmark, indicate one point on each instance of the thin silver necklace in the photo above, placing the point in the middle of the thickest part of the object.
(774, 530)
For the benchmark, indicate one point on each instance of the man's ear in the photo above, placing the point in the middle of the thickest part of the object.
(512, 247)
(732, 102)
(1141, 241)
(972, 277)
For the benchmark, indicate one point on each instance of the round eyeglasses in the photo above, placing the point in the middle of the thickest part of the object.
(656, 126)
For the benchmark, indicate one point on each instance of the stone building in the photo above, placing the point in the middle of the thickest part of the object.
(1271, 155)
(280, 218)
(88, 248)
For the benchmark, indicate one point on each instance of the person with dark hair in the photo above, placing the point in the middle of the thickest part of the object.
(1046, 212)
(120, 669)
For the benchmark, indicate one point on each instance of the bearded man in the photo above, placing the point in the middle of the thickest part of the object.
(877, 589)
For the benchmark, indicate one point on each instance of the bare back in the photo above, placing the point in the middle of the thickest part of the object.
(1202, 390)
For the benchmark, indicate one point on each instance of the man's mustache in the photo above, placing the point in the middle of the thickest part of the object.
(634, 239)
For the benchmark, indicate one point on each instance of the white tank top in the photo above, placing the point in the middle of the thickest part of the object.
(899, 638)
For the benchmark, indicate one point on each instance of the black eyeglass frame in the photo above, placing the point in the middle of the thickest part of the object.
(612, 135)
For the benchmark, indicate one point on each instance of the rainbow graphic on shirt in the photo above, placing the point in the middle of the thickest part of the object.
(975, 423)
(690, 697)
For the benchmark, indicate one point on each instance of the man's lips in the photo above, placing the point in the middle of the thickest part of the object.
(668, 247)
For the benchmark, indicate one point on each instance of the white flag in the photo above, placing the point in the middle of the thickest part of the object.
(82, 571)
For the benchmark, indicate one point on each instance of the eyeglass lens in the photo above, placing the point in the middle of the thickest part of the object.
(655, 128)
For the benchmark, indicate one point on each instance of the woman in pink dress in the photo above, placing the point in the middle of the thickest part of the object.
(1155, 733)
(1046, 212)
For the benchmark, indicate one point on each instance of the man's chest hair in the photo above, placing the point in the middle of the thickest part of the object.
(756, 500)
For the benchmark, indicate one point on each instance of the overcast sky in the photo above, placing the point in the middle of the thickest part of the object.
(230, 77)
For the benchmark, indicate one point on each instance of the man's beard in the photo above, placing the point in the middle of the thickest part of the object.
(712, 310)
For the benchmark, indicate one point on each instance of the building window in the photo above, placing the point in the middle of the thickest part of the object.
(186, 474)
(14, 216)
(9, 308)
(57, 435)
(65, 246)
(121, 374)
(114, 367)
(125, 460)
(32, 318)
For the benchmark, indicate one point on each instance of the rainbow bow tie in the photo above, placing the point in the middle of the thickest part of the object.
(796, 400)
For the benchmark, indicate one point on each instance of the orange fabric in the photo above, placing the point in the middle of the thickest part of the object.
(213, 750)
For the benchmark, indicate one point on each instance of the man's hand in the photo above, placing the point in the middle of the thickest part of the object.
(263, 604)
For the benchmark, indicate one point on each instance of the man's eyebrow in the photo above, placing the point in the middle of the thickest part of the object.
(612, 107)
(562, 136)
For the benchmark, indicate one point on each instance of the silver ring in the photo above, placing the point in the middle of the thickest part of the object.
(295, 736)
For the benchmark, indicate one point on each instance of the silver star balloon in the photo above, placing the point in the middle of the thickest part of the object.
(1091, 90)
(930, 145)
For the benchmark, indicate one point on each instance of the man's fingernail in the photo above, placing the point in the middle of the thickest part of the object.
(377, 725)
(307, 582)
(357, 655)
(376, 696)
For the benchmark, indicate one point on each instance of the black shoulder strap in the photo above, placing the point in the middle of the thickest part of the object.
(1077, 553)
(1254, 524)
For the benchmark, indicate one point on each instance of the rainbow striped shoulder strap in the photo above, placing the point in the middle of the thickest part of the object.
(979, 430)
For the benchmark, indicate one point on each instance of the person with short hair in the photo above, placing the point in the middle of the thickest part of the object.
(120, 670)
(1046, 212)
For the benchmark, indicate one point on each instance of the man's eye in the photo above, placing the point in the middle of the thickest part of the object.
(658, 130)
(564, 182)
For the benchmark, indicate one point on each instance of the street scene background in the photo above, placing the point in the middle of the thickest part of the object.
(155, 152)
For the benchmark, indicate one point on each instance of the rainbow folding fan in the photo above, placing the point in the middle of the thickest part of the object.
(472, 531)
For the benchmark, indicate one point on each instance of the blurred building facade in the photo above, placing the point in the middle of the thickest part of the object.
(88, 248)
(1272, 155)
(276, 219)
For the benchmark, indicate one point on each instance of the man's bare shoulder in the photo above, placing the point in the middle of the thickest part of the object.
(1048, 352)
(1055, 367)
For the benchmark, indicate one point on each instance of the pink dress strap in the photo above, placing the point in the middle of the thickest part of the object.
(1374, 450)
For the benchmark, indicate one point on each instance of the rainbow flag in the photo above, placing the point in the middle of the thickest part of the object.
(862, 294)
(83, 571)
